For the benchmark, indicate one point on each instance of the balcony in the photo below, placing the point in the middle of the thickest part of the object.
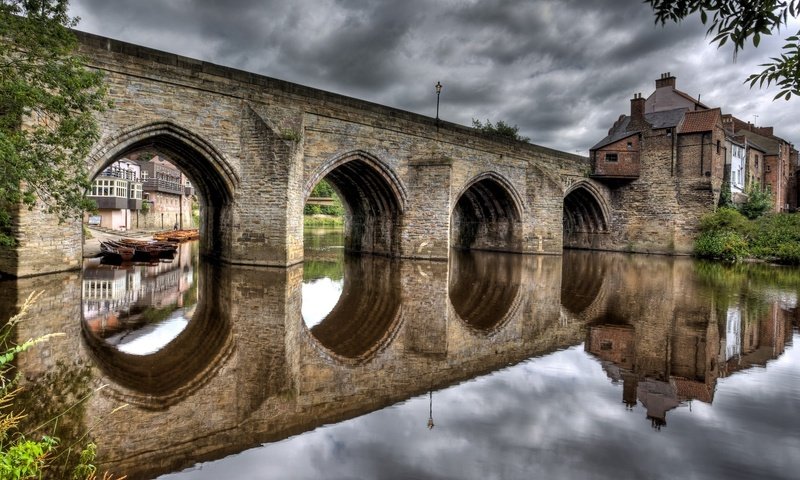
(164, 186)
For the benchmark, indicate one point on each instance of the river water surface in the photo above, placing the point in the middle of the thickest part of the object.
(586, 365)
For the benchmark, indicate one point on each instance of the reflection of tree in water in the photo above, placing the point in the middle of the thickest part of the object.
(484, 287)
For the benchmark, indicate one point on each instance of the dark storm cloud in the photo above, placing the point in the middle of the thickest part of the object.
(561, 70)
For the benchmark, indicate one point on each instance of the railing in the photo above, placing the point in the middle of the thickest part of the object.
(155, 184)
(117, 172)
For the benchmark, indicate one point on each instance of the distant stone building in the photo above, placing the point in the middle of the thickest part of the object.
(142, 193)
(168, 193)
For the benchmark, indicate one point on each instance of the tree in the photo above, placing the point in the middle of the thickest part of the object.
(47, 102)
(736, 21)
(502, 129)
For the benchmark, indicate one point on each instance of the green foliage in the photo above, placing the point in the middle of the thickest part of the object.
(759, 201)
(322, 221)
(25, 458)
(291, 135)
(737, 21)
(721, 244)
(725, 199)
(315, 269)
(776, 235)
(501, 129)
(729, 235)
(323, 189)
(724, 219)
(47, 102)
(55, 403)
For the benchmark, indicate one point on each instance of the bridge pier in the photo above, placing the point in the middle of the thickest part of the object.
(426, 226)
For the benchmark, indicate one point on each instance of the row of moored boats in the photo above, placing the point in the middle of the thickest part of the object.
(163, 247)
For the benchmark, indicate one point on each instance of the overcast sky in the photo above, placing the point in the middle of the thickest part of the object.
(562, 70)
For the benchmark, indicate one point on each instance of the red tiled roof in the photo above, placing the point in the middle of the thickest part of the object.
(699, 121)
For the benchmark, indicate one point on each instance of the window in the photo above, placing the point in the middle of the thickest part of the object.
(136, 191)
(718, 145)
(611, 157)
(630, 145)
(756, 160)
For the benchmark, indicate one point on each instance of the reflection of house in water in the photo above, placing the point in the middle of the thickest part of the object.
(663, 364)
(753, 336)
(115, 298)
(659, 367)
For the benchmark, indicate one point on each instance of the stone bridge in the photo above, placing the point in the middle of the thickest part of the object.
(254, 147)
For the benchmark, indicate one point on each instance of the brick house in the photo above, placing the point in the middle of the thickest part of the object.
(664, 167)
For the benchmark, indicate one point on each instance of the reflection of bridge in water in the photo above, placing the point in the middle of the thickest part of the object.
(247, 370)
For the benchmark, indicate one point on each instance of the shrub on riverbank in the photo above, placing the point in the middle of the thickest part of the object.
(728, 235)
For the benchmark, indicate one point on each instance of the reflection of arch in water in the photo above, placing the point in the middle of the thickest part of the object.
(585, 216)
(208, 170)
(583, 283)
(189, 361)
(366, 318)
(373, 197)
(487, 215)
(485, 289)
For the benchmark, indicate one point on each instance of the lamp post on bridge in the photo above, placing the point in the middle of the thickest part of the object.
(438, 92)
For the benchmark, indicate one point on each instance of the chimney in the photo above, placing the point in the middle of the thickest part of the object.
(637, 108)
(666, 80)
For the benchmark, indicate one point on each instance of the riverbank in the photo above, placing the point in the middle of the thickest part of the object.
(320, 220)
(730, 236)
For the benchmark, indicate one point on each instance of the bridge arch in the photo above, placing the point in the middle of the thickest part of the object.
(373, 196)
(215, 179)
(585, 216)
(487, 215)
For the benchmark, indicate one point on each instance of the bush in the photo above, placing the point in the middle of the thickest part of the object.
(758, 202)
(789, 253)
(725, 219)
(724, 245)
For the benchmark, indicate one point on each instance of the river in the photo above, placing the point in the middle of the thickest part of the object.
(586, 365)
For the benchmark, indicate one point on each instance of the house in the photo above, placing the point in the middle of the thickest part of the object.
(168, 192)
(665, 169)
(778, 161)
(142, 192)
(667, 97)
(117, 191)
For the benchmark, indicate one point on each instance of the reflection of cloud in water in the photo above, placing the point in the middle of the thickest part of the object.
(319, 298)
(151, 338)
(558, 416)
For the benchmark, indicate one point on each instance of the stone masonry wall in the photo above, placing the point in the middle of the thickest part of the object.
(250, 144)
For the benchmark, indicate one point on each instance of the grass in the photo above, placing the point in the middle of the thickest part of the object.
(318, 220)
